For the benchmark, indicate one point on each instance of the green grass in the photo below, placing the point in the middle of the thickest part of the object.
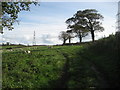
(105, 54)
(80, 73)
(87, 66)
(37, 69)
(41, 68)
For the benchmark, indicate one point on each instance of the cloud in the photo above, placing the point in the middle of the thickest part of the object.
(109, 24)
(23, 33)
(48, 33)
(47, 27)
(47, 39)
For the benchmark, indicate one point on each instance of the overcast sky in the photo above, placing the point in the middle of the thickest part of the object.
(48, 20)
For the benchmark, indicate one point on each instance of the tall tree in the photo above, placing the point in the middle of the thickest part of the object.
(80, 31)
(86, 20)
(76, 24)
(10, 12)
(70, 35)
(63, 36)
(93, 21)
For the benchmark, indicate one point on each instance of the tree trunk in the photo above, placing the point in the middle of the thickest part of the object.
(93, 36)
(69, 40)
(64, 41)
(80, 37)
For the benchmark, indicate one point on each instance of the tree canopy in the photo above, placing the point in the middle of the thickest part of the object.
(85, 21)
(10, 10)
(92, 21)
(70, 35)
(63, 36)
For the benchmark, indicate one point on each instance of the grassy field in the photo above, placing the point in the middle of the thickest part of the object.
(40, 68)
(87, 66)
(60, 66)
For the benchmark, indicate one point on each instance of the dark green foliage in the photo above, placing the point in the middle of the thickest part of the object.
(63, 36)
(10, 11)
(105, 54)
(85, 21)
(80, 74)
(96, 65)
(70, 35)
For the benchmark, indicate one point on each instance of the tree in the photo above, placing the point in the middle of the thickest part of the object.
(63, 36)
(86, 21)
(70, 35)
(10, 11)
(80, 31)
(7, 43)
(92, 20)
(76, 24)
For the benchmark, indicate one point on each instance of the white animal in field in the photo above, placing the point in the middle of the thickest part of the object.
(28, 52)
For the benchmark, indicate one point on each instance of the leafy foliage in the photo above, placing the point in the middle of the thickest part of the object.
(85, 21)
(63, 36)
(76, 27)
(70, 35)
(106, 56)
(10, 11)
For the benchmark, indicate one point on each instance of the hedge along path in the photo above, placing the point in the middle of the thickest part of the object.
(102, 79)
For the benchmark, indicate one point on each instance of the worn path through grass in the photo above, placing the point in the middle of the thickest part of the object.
(57, 67)
(79, 72)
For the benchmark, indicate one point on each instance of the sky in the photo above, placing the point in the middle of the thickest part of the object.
(48, 20)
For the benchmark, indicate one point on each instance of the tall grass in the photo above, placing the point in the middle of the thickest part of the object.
(105, 54)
